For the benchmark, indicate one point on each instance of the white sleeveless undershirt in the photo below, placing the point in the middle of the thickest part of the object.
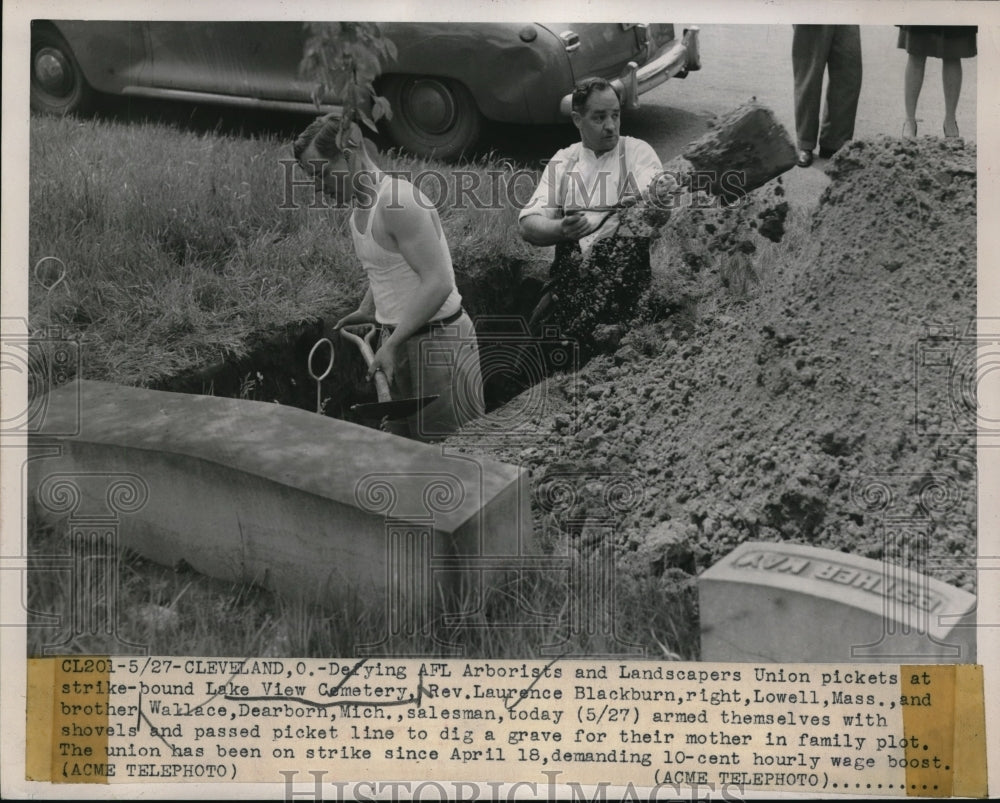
(392, 280)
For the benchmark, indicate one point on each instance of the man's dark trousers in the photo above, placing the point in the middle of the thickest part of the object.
(816, 48)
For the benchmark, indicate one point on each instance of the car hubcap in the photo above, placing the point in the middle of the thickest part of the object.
(52, 72)
(431, 106)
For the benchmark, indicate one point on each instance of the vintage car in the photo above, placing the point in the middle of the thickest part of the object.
(446, 79)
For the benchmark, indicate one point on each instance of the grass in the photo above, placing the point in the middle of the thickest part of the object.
(180, 249)
(178, 612)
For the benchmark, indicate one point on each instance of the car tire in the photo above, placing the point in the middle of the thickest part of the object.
(431, 117)
(57, 82)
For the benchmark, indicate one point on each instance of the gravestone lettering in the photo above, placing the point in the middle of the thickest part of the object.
(789, 602)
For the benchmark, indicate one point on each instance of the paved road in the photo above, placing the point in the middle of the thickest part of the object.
(743, 61)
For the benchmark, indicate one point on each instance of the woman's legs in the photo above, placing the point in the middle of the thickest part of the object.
(951, 79)
(913, 82)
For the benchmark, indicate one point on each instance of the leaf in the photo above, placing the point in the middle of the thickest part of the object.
(367, 63)
(360, 95)
(349, 134)
(381, 108)
(339, 87)
(344, 59)
(349, 31)
(342, 138)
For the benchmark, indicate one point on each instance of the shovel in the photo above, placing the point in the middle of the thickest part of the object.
(386, 406)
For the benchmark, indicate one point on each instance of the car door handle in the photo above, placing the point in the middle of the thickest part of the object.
(570, 40)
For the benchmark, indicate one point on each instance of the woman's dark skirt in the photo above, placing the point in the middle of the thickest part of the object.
(938, 41)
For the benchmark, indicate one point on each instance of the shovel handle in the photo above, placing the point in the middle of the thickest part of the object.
(381, 383)
(364, 345)
(382, 386)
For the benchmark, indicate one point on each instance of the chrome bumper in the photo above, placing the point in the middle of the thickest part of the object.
(678, 60)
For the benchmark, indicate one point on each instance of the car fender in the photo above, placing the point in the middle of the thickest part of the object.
(511, 80)
(111, 55)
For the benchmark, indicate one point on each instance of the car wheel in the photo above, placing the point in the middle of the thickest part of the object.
(435, 117)
(57, 83)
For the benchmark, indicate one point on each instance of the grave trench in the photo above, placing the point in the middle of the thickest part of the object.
(276, 368)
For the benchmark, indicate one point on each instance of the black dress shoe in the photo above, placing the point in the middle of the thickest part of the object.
(827, 153)
(805, 158)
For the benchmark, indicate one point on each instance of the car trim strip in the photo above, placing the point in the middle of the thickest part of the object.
(230, 100)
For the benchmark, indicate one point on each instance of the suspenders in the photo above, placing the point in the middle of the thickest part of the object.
(564, 181)
(571, 163)
(622, 183)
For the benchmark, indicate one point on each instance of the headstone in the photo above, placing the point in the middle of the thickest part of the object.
(294, 501)
(788, 602)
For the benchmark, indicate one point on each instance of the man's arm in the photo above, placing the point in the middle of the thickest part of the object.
(539, 222)
(365, 313)
(538, 229)
(415, 232)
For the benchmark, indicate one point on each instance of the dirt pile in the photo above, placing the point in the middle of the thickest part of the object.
(802, 409)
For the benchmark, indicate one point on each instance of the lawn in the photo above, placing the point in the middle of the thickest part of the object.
(180, 249)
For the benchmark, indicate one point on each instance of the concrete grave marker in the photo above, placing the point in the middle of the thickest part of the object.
(788, 602)
(297, 502)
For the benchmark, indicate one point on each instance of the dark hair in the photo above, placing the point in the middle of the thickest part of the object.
(323, 132)
(583, 90)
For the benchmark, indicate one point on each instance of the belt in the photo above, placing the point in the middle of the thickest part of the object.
(429, 326)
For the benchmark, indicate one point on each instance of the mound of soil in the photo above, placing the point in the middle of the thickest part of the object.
(804, 411)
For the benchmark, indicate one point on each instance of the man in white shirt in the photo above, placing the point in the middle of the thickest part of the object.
(596, 277)
(427, 344)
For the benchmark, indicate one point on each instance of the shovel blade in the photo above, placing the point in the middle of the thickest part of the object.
(394, 409)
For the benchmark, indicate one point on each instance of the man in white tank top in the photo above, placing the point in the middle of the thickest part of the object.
(411, 293)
